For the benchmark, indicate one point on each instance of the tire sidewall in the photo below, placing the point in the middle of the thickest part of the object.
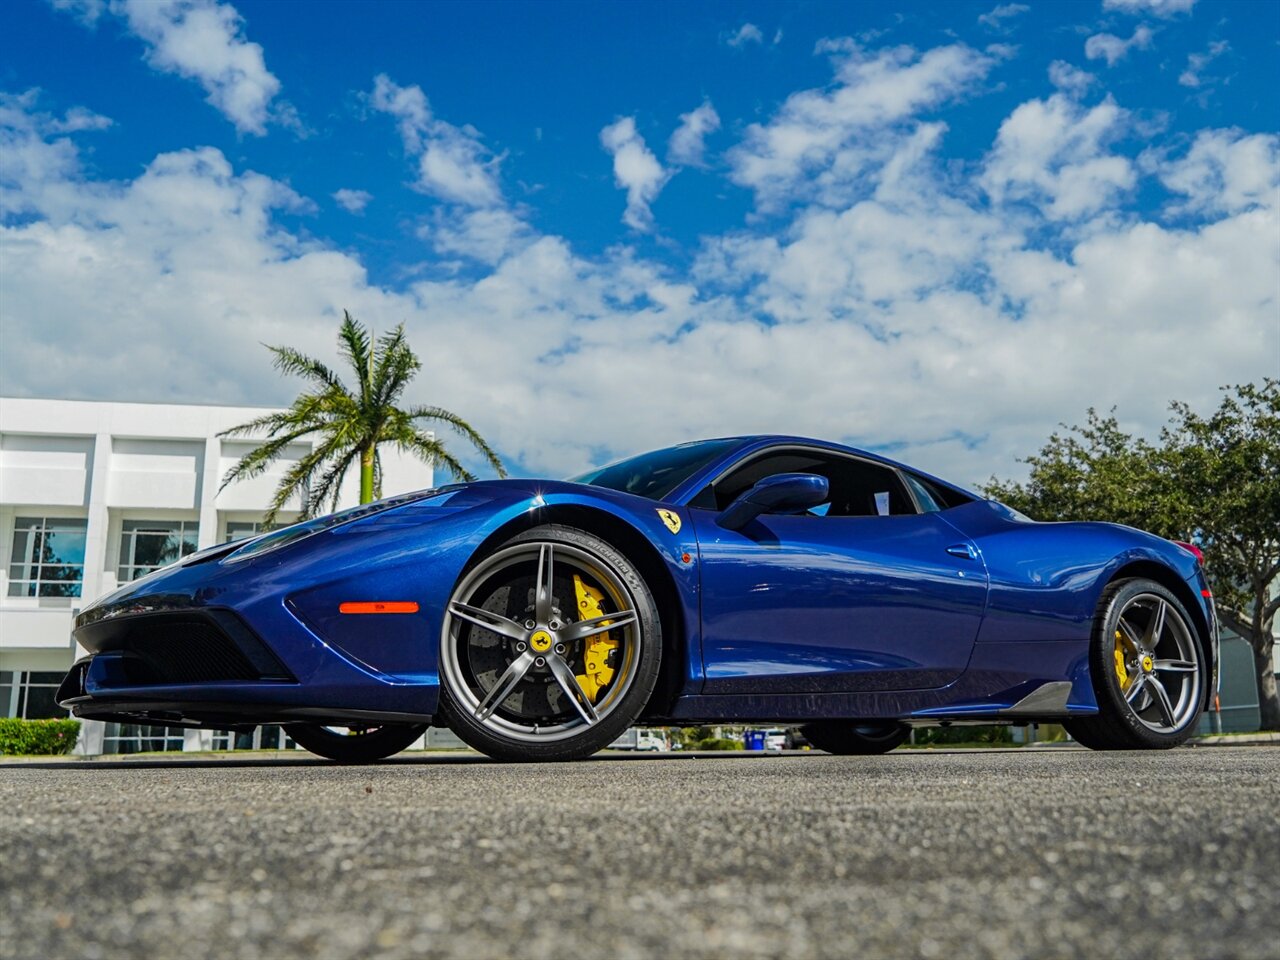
(841, 737)
(368, 748)
(598, 736)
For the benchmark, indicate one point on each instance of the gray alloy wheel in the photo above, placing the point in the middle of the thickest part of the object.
(355, 744)
(1148, 670)
(549, 648)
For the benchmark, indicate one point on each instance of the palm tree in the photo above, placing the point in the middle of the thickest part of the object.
(349, 424)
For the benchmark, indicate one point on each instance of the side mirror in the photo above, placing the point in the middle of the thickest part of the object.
(780, 493)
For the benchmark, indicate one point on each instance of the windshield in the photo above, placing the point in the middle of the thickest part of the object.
(654, 475)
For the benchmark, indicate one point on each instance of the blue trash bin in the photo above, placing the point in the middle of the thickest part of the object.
(755, 740)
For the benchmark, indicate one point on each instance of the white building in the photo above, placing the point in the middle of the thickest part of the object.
(93, 495)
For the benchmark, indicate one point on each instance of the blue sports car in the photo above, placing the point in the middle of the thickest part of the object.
(769, 580)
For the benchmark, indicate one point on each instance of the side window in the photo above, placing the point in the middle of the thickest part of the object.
(933, 497)
(858, 488)
(923, 497)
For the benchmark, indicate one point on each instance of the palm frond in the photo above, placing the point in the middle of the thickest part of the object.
(255, 462)
(293, 362)
(298, 479)
(353, 343)
(269, 423)
(396, 366)
(434, 452)
(330, 486)
(462, 428)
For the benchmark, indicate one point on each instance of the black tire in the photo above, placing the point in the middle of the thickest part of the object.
(358, 745)
(505, 736)
(1120, 725)
(856, 737)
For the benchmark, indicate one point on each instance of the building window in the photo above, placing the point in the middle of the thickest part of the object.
(242, 530)
(267, 737)
(140, 738)
(47, 558)
(147, 545)
(30, 694)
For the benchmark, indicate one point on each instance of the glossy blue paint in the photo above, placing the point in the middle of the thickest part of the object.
(958, 613)
(797, 604)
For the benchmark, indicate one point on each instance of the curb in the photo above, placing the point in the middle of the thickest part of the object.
(1235, 740)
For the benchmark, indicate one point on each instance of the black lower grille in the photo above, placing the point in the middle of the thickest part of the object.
(184, 646)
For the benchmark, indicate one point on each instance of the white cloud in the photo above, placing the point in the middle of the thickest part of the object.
(686, 146)
(1054, 154)
(352, 201)
(36, 158)
(1069, 78)
(1196, 62)
(453, 164)
(488, 236)
(635, 169)
(1159, 8)
(1113, 49)
(1224, 172)
(747, 33)
(1005, 11)
(821, 141)
(203, 40)
(916, 314)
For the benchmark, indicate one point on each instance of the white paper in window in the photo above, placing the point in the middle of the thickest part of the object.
(882, 503)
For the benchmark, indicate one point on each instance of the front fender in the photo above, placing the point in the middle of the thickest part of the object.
(419, 555)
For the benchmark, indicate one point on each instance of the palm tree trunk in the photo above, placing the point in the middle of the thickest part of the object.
(366, 475)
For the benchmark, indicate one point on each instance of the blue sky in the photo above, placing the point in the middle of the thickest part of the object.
(938, 229)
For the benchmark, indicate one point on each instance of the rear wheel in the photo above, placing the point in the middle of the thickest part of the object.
(852, 737)
(355, 744)
(550, 648)
(1148, 670)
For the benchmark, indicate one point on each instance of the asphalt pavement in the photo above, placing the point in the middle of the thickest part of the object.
(1053, 853)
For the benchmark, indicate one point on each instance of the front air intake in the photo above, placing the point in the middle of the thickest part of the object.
(183, 647)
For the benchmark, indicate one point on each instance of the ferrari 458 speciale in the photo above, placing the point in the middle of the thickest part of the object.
(769, 580)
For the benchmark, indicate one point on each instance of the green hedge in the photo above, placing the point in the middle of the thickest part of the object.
(49, 738)
(711, 743)
(963, 734)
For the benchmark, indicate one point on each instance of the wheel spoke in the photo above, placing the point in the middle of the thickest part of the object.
(1175, 666)
(589, 628)
(1162, 699)
(1155, 626)
(546, 579)
(569, 684)
(1129, 634)
(488, 620)
(1135, 688)
(506, 683)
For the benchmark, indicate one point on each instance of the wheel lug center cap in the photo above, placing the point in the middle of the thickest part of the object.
(1148, 664)
(540, 641)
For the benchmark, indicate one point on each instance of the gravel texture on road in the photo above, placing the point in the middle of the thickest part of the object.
(1054, 853)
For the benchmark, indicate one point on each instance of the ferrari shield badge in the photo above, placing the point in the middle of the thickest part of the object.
(671, 519)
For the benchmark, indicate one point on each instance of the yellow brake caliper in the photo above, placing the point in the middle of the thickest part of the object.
(1121, 672)
(596, 671)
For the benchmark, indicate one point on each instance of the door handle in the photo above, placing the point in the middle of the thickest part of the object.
(965, 551)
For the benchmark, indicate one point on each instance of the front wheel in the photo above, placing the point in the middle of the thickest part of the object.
(1148, 669)
(550, 648)
(355, 744)
(853, 737)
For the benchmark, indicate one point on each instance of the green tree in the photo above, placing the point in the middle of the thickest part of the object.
(1212, 480)
(349, 425)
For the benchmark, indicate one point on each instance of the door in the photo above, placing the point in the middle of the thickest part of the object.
(864, 593)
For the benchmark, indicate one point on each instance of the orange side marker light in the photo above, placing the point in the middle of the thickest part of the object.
(379, 606)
